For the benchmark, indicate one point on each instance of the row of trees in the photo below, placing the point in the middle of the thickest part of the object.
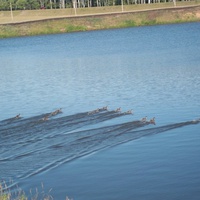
(56, 4)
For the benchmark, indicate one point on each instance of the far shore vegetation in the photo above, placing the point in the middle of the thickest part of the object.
(14, 23)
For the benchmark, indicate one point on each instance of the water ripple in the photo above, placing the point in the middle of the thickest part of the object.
(32, 146)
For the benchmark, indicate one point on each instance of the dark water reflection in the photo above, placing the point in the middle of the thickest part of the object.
(50, 144)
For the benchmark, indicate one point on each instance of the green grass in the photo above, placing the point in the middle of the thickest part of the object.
(19, 194)
(96, 22)
(149, 23)
(74, 28)
(129, 23)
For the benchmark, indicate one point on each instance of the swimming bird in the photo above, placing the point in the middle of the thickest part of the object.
(56, 112)
(118, 109)
(144, 119)
(93, 111)
(128, 112)
(45, 118)
(152, 121)
(104, 108)
(17, 116)
(97, 110)
(195, 121)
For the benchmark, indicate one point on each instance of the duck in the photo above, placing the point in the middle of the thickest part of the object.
(45, 118)
(152, 121)
(144, 119)
(56, 112)
(94, 111)
(128, 112)
(17, 116)
(97, 110)
(103, 108)
(118, 109)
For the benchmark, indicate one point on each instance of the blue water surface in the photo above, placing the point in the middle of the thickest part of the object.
(154, 70)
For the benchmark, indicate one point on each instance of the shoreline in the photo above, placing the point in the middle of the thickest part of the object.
(101, 21)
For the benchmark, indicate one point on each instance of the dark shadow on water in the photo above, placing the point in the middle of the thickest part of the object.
(32, 146)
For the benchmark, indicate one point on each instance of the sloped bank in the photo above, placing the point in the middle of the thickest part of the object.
(104, 21)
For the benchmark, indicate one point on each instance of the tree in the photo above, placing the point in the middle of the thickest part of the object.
(33, 4)
(4, 5)
(21, 4)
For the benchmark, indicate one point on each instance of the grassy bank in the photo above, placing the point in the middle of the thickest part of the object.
(18, 194)
(50, 22)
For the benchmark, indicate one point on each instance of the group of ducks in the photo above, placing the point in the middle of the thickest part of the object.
(52, 114)
(98, 110)
(125, 113)
(118, 110)
(46, 117)
(151, 121)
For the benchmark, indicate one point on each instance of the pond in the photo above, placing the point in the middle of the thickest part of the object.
(152, 71)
